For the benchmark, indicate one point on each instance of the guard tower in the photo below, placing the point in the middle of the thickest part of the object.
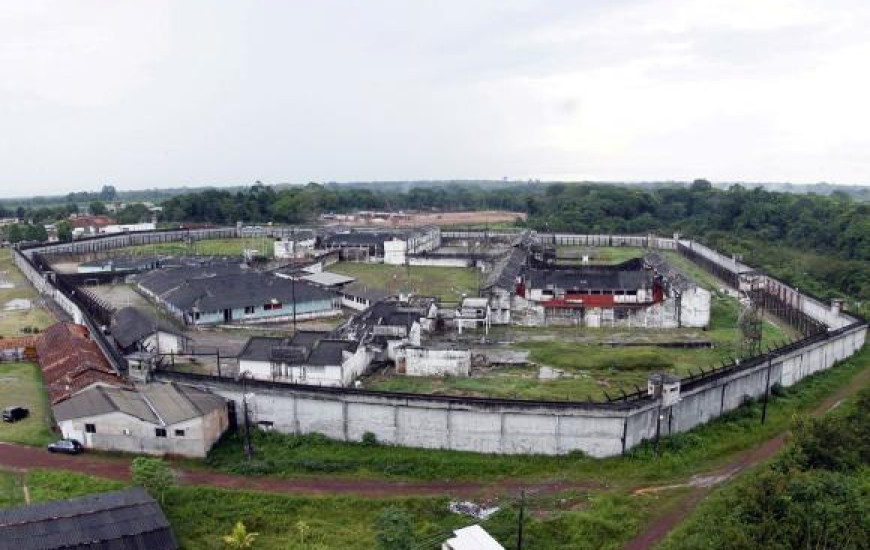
(665, 387)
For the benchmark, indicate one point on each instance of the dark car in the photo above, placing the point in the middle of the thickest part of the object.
(14, 414)
(68, 446)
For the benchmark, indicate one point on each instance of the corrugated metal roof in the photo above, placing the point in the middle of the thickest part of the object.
(128, 519)
(159, 404)
(327, 278)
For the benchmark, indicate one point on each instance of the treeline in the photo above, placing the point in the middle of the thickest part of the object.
(815, 495)
(830, 224)
(818, 243)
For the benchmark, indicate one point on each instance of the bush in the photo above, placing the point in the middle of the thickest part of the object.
(153, 474)
(369, 439)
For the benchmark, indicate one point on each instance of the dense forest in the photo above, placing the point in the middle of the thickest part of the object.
(820, 243)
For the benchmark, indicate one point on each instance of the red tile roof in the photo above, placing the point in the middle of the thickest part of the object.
(91, 221)
(71, 361)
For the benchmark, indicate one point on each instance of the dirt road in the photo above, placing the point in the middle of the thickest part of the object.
(702, 484)
(19, 457)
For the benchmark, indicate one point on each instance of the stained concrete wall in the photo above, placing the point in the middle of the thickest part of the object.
(518, 427)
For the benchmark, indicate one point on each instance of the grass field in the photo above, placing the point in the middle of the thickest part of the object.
(448, 283)
(12, 323)
(682, 454)
(601, 255)
(21, 384)
(200, 515)
(208, 247)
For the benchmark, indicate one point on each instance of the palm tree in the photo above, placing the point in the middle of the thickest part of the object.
(240, 538)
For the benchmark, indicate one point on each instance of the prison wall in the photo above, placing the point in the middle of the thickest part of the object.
(509, 426)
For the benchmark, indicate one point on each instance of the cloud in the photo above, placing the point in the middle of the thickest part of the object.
(157, 93)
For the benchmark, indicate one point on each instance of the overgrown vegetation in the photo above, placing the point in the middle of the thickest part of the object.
(201, 516)
(450, 284)
(814, 495)
(681, 454)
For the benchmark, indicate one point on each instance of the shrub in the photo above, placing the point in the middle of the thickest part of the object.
(153, 474)
(369, 439)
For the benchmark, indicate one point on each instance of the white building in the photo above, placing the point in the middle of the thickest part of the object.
(155, 419)
(295, 247)
(473, 537)
(129, 227)
(473, 313)
(395, 252)
(433, 361)
(306, 358)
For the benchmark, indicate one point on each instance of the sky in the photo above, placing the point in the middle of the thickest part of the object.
(156, 93)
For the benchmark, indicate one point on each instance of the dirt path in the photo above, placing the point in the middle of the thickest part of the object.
(702, 484)
(22, 458)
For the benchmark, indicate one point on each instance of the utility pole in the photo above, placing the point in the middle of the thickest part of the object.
(520, 520)
(293, 278)
(766, 390)
(249, 449)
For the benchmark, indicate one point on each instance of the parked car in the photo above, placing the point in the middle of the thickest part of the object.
(67, 446)
(14, 414)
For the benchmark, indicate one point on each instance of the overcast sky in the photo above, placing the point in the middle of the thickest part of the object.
(156, 93)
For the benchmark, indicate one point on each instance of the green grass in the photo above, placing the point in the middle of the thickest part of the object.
(449, 284)
(604, 254)
(682, 454)
(21, 384)
(12, 323)
(207, 247)
(201, 515)
(11, 493)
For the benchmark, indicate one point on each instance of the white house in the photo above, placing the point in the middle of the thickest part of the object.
(473, 537)
(306, 358)
(154, 419)
(294, 247)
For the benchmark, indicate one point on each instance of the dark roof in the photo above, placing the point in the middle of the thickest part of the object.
(309, 348)
(587, 279)
(507, 269)
(361, 290)
(259, 348)
(207, 290)
(672, 275)
(330, 352)
(131, 325)
(125, 263)
(357, 239)
(128, 519)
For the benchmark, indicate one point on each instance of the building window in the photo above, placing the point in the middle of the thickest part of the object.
(179, 433)
(196, 316)
(91, 428)
(160, 432)
(275, 305)
(249, 310)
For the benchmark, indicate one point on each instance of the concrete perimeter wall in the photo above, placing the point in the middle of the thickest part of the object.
(513, 426)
